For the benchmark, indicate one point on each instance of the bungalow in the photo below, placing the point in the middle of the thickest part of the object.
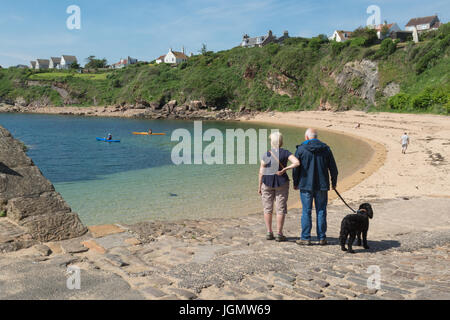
(67, 61)
(261, 41)
(341, 35)
(33, 64)
(385, 30)
(173, 57)
(423, 24)
(55, 63)
(42, 64)
(124, 62)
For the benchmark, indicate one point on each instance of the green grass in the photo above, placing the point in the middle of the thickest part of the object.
(58, 76)
(306, 69)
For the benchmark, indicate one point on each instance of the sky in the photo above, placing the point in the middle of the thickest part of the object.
(146, 29)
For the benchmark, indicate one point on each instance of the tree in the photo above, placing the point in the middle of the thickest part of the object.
(204, 49)
(369, 34)
(93, 63)
(75, 66)
(384, 31)
(387, 47)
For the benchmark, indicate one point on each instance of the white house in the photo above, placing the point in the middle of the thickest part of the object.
(261, 41)
(173, 57)
(66, 61)
(341, 35)
(391, 27)
(124, 62)
(42, 64)
(33, 64)
(55, 63)
(423, 24)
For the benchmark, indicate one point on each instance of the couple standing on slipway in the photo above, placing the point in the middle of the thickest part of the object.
(312, 165)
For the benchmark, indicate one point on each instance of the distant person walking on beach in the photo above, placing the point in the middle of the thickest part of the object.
(405, 142)
(274, 184)
(313, 180)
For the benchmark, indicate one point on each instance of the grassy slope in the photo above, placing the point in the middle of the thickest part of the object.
(302, 68)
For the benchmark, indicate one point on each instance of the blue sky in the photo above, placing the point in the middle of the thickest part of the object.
(145, 29)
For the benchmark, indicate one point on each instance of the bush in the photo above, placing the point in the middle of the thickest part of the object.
(427, 61)
(423, 100)
(336, 47)
(431, 97)
(272, 48)
(358, 42)
(400, 101)
(387, 48)
(315, 43)
(215, 96)
(368, 34)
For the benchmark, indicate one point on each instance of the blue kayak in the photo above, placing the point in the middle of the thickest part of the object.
(105, 140)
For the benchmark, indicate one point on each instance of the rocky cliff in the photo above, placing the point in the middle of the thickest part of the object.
(34, 211)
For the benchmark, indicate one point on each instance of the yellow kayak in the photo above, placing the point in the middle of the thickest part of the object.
(148, 134)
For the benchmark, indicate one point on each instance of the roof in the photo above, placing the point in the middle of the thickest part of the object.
(43, 61)
(55, 60)
(33, 63)
(161, 58)
(180, 55)
(342, 33)
(381, 26)
(422, 20)
(70, 58)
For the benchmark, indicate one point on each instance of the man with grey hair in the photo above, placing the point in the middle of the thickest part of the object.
(312, 177)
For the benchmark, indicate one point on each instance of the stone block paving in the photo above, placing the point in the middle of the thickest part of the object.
(230, 259)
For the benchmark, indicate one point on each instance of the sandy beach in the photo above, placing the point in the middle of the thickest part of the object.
(423, 171)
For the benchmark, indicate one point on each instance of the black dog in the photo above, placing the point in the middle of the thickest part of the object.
(354, 225)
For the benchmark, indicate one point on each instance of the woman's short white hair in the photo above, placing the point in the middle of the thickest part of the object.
(276, 140)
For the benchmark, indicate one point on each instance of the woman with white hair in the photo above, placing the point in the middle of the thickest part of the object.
(274, 184)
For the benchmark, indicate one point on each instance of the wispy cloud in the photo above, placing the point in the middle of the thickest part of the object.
(17, 56)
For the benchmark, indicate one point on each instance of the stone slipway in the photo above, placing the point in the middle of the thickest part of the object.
(230, 259)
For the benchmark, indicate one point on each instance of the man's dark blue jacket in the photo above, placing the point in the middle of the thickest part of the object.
(316, 160)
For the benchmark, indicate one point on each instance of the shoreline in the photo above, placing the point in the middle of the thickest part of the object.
(375, 177)
(374, 162)
(422, 171)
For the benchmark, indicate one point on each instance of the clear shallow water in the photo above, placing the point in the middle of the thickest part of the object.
(135, 180)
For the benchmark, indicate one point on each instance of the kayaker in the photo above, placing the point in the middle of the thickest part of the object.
(150, 131)
(109, 137)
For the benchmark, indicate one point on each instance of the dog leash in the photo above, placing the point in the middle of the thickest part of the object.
(344, 201)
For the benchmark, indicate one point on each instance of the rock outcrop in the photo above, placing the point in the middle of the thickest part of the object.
(30, 201)
(360, 78)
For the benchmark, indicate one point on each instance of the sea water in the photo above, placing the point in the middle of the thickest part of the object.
(136, 180)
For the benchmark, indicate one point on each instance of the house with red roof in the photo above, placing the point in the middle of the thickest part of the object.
(124, 62)
(341, 35)
(173, 57)
(386, 29)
